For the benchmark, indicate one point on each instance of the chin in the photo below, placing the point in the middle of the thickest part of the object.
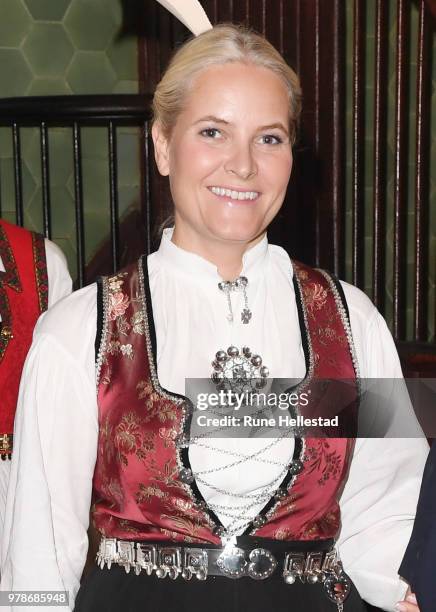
(236, 232)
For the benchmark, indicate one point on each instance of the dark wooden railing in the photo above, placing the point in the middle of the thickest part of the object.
(75, 112)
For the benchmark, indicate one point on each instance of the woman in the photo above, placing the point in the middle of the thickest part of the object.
(197, 509)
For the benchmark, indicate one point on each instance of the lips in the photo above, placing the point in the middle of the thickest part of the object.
(234, 194)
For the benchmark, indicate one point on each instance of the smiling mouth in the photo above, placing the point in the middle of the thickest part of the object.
(233, 194)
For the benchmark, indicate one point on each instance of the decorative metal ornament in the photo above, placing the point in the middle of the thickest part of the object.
(246, 315)
(195, 563)
(201, 505)
(186, 476)
(290, 577)
(262, 564)
(240, 284)
(281, 494)
(188, 408)
(312, 578)
(259, 521)
(219, 531)
(182, 441)
(293, 567)
(146, 559)
(232, 562)
(238, 370)
(337, 587)
(296, 467)
(161, 572)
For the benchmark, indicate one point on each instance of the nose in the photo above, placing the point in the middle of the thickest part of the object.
(241, 161)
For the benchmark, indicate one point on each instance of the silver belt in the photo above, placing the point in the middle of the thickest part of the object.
(231, 561)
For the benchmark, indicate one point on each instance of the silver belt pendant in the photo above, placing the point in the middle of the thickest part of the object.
(312, 568)
(126, 555)
(337, 586)
(146, 559)
(107, 552)
(169, 562)
(195, 562)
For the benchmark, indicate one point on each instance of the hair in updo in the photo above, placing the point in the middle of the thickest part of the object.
(222, 44)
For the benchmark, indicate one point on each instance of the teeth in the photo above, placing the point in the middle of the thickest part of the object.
(235, 195)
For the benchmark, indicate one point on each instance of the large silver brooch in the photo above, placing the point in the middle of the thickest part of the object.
(238, 370)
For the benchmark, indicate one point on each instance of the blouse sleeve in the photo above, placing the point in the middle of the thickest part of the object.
(379, 499)
(59, 279)
(45, 536)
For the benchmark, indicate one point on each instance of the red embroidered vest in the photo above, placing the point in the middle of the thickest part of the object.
(23, 297)
(142, 489)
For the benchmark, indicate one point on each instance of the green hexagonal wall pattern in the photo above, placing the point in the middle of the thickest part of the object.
(55, 47)
(14, 23)
(47, 10)
(52, 47)
(48, 50)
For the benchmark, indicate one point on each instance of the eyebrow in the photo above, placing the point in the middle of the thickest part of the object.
(271, 126)
(212, 118)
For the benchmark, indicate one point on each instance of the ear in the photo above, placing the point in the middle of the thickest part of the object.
(161, 149)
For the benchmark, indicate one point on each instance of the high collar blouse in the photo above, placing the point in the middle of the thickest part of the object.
(56, 431)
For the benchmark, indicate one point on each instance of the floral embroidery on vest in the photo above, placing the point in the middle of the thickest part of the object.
(324, 460)
(41, 275)
(10, 276)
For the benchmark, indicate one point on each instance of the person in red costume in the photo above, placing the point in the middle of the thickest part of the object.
(33, 276)
(187, 520)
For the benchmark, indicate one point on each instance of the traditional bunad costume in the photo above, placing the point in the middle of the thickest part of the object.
(33, 275)
(190, 521)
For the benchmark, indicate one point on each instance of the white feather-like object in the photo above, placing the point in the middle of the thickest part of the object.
(190, 13)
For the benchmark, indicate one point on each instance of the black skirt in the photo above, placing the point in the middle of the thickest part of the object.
(112, 590)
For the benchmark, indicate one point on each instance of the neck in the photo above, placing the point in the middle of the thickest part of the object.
(225, 255)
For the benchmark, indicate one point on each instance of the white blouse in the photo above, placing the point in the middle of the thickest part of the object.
(56, 427)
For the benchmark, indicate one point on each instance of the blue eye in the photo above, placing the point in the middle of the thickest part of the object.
(271, 139)
(211, 132)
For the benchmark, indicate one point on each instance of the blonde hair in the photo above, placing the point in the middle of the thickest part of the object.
(225, 43)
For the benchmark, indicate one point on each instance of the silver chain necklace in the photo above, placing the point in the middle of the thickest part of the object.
(234, 370)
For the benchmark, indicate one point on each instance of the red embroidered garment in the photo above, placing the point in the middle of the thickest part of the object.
(140, 484)
(23, 297)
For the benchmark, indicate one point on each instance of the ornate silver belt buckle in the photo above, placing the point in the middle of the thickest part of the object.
(169, 563)
(195, 563)
(232, 562)
(261, 564)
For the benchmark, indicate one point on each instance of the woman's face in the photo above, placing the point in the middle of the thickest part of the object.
(229, 156)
